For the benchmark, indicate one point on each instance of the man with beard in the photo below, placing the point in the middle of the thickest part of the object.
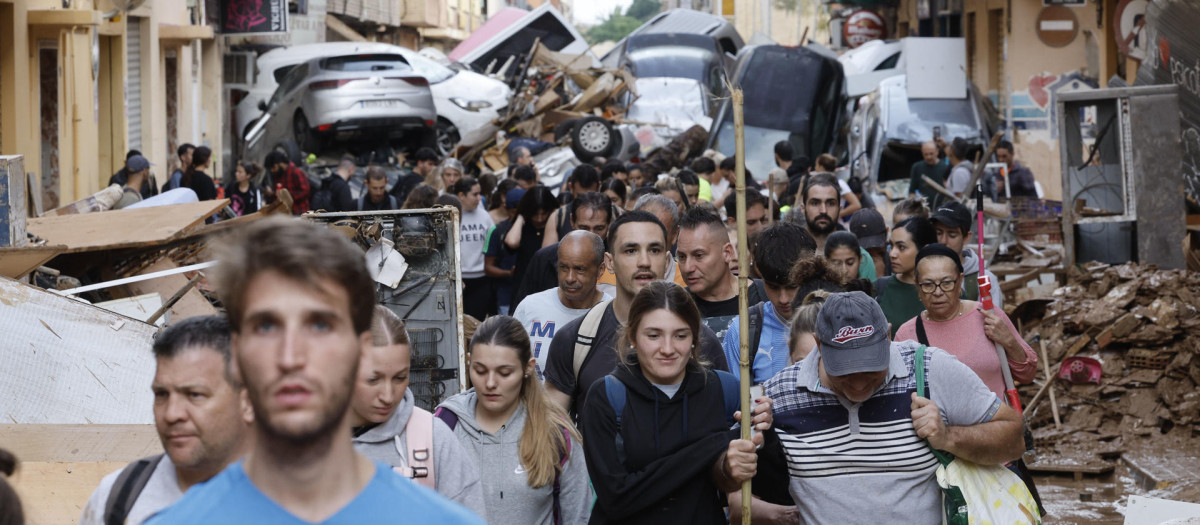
(822, 204)
(202, 419)
(287, 176)
(300, 301)
(637, 255)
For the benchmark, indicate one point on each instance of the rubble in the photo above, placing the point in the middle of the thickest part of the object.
(1141, 324)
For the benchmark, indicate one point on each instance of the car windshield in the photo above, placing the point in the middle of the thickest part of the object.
(672, 61)
(760, 146)
(432, 71)
(914, 120)
(366, 63)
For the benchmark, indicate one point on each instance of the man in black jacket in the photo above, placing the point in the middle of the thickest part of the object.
(149, 186)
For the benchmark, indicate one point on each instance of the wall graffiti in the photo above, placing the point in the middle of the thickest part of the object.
(1173, 57)
(254, 16)
(1034, 109)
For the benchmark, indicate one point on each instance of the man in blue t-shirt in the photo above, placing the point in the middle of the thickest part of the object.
(299, 300)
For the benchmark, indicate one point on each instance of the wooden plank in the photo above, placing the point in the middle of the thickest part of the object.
(115, 229)
(66, 361)
(16, 263)
(55, 493)
(193, 302)
(82, 443)
(1094, 469)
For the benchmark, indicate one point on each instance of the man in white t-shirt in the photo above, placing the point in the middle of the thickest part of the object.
(201, 417)
(477, 287)
(580, 258)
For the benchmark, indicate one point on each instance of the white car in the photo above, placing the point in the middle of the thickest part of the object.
(465, 100)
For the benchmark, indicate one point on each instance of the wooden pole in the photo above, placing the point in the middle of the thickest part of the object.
(739, 130)
(1050, 383)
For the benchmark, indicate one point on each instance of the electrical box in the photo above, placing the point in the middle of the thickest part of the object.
(1123, 196)
(417, 251)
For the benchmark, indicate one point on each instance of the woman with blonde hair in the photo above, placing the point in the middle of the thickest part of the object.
(527, 450)
(446, 175)
(390, 428)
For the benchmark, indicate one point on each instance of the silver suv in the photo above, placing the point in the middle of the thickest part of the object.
(365, 96)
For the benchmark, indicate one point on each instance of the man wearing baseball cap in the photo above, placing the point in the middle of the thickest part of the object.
(855, 436)
(137, 171)
(952, 221)
(867, 224)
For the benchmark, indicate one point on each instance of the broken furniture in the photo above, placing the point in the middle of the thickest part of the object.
(1122, 181)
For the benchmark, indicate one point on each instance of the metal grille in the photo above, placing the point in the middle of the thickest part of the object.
(133, 81)
(427, 393)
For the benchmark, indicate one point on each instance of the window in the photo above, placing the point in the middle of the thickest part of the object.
(366, 63)
(890, 63)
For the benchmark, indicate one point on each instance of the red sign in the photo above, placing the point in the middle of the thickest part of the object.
(863, 26)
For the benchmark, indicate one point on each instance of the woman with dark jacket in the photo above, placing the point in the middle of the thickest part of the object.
(195, 178)
(665, 454)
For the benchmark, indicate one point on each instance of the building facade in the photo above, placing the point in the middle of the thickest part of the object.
(82, 82)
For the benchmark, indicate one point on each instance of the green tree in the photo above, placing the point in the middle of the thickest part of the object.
(618, 25)
(643, 9)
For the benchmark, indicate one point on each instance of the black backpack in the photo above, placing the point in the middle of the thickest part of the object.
(756, 326)
(322, 199)
(127, 488)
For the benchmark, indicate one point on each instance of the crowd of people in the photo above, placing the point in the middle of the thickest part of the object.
(604, 371)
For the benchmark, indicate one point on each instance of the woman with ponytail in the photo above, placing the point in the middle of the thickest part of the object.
(195, 178)
(529, 454)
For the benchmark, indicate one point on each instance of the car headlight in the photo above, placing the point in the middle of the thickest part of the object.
(470, 105)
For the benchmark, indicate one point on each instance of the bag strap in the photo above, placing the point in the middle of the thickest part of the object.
(127, 488)
(919, 367)
(447, 416)
(731, 387)
(418, 435)
(921, 336)
(587, 336)
(756, 328)
(880, 287)
(614, 390)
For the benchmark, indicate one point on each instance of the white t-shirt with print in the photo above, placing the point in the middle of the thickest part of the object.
(541, 314)
(473, 240)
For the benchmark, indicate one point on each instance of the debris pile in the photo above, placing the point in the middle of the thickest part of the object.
(1123, 346)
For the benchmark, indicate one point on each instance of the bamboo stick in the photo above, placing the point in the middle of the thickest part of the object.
(1050, 383)
(739, 128)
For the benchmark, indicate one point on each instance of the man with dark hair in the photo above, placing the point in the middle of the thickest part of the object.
(952, 222)
(756, 211)
(929, 166)
(425, 161)
(300, 300)
(705, 257)
(960, 174)
(334, 193)
(591, 212)
(1020, 178)
(185, 158)
(525, 176)
(614, 169)
(583, 179)
(797, 175)
(638, 255)
(121, 177)
(285, 174)
(201, 417)
(580, 261)
(376, 197)
(783, 154)
(822, 205)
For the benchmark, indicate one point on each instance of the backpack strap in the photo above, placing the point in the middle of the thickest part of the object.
(587, 336)
(731, 387)
(921, 336)
(562, 463)
(756, 327)
(127, 488)
(919, 368)
(447, 416)
(418, 435)
(614, 389)
(880, 287)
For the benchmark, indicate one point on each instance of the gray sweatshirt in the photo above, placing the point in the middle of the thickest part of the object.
(506, 491)
(457, 476)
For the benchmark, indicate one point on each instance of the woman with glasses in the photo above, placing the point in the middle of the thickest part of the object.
(962, 327)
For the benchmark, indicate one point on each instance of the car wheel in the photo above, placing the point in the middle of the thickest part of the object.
(306, 137)
(447, 137)
(591, 138)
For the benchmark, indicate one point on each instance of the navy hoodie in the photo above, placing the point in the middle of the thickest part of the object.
(670, 446)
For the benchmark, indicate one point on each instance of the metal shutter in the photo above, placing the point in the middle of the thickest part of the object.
(133, 81)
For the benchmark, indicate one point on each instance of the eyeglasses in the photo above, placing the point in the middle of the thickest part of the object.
(947, 286)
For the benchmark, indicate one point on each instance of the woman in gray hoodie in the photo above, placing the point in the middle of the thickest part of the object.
(528, 452)
(389, 428)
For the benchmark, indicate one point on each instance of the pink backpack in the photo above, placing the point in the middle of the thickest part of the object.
(418, 435)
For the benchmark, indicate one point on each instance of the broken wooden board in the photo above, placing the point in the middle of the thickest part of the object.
(115, 229)
(1091, 468)
(56, 493)
(193, 302)
(16, 263)
(66, 361)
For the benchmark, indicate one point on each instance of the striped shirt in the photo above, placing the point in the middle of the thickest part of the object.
(863, 463)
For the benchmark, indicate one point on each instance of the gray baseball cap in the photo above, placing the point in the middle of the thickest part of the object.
(854, 335)
(137, 163)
